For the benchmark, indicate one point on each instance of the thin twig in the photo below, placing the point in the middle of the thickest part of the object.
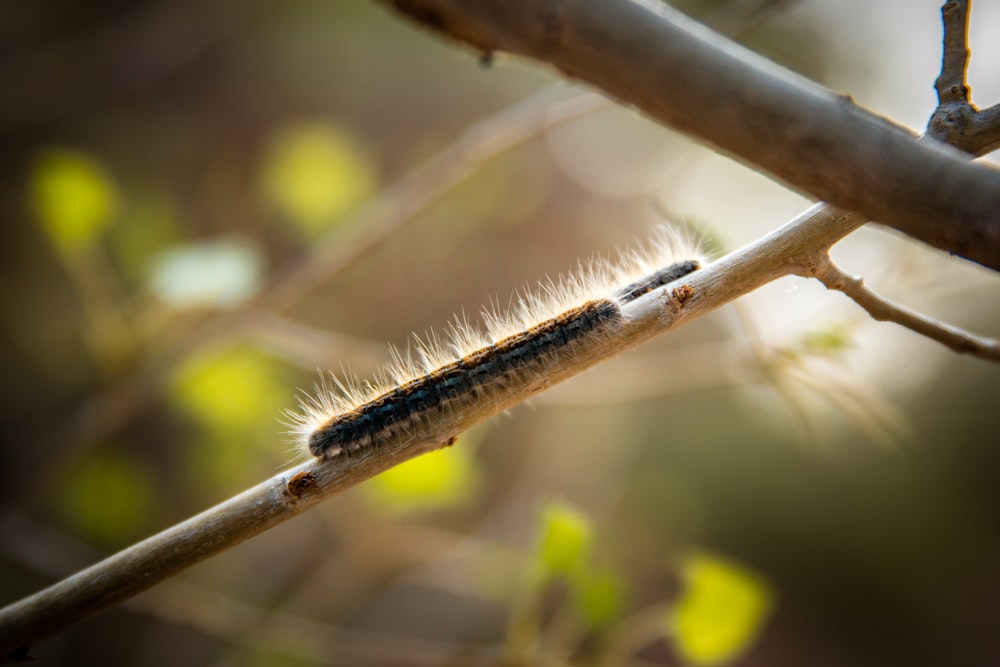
(884, 310)
(952, 85)
(956, 120)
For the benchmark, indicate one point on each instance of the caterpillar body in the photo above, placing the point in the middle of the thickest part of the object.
(446, 386)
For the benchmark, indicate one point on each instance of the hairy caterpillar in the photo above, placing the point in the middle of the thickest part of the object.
(443, 385)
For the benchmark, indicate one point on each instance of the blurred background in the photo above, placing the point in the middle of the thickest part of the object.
(205, 202)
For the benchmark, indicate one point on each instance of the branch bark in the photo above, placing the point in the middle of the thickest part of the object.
(685, 76)
(885, 310)
(956, 120)
(799, 248)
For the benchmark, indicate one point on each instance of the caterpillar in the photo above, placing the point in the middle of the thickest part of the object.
(443, 385)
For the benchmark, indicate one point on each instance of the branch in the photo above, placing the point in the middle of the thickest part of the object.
(139, 567)
(793, 249)
(798, 248)
(885, 310)
(685, 76)
(401, 202)
(956, 120)
(953, 103)
(951, 85)
(393, 207)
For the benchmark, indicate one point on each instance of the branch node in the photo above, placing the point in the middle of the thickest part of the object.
(680, 295)
(301, 483)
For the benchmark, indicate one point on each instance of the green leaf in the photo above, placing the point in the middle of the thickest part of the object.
(316, 172)
(437, 480)
(565, 540)
(721, 610)
(73, 196)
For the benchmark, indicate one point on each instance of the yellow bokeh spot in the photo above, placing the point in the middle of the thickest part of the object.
(314, 173)
(441, 479)
(565, 540)
(720, 612)
(232, 392)
(73, 196)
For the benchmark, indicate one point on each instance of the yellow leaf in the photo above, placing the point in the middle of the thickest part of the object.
(440, 479)
(233, 392)
(315, 172)
(720, 612)
(73, 197)
(565, 541)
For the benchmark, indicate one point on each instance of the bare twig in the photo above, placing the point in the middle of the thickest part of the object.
(704, 85)
(951, 85)
(885, 310)
(956, 120)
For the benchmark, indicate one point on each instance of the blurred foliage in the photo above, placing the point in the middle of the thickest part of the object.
(109, 499)
(315, 172)
(561, 575)
(600, 597)
(564, 560)
(720, 612)
(234, 398)
(564, 542)
(443, 479)
(221, 274)
(74, 198)
(829, 342)
(230, 392)
(150, 227)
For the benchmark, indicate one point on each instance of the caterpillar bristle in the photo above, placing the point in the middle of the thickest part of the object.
(441, 378)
